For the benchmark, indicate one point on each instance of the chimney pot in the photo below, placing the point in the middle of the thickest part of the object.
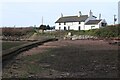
(79, 14)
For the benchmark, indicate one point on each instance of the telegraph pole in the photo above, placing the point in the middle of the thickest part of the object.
(42, 20)
(115, 19)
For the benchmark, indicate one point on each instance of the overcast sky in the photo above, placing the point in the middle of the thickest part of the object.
(29, 13)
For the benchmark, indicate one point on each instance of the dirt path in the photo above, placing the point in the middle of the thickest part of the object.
(79, 58)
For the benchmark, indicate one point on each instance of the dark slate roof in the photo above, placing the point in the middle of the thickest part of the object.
(72, 19)
(92, 22)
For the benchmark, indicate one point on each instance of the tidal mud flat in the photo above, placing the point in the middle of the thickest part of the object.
(66, 58)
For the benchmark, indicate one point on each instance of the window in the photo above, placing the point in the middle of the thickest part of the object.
(92, 27)
(64, 28)
(59, 23)
(68, 27)
(59, 28)
(103, 24)
(79, 28)
(64, 23)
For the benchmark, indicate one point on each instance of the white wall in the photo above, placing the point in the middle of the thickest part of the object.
(56, 26)
(71, 25)
(75, 25)
(82, 25)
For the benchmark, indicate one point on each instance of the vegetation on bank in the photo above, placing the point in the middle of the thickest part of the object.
(7, 44)
(112, 31)
(106, 32)
(17, 32)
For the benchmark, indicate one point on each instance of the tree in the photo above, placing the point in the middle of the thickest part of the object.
(48, 27)
(42, 27)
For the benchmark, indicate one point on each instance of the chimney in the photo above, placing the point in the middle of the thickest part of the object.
(61, 15)
(90, 13)
(99, 16)
(79, 14)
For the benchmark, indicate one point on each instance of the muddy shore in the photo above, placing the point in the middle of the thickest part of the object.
(67, 58)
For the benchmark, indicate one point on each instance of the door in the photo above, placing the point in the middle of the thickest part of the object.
(64, 28)
(59, 28)
(79, 28)
(68, 27)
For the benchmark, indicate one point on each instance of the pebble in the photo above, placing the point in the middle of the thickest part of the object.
(15, 67)
(94, 61)
(113, 67)
(30, 76)
(17, 58)
(45, 65)
(65, 74)
(83, 74)
(52, 55)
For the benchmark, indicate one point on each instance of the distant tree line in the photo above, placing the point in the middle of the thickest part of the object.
(16, 32)
(45, 27)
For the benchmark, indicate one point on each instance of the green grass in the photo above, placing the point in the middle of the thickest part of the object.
(31, 63)
(10, 44)
(72, 58)
(37, 57)
(106, 32)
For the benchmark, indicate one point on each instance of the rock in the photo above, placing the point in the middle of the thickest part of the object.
(106, 71)
(69, 34)
(73, 38)
(52, 55)
(83, 74)
(45, 65)
(30, 76)
(65, 74)
(113, 67)
(94, 61)
(17, 58)
(16, 75)
(15, 67)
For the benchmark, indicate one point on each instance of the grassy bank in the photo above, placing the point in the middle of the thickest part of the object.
(10, 44)
(112, 31)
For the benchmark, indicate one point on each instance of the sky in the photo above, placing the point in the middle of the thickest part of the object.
(25, 13)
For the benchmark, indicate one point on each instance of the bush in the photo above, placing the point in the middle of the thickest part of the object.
(109, 31)
(106, 32)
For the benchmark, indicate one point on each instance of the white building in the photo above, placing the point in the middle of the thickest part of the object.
(80, 22)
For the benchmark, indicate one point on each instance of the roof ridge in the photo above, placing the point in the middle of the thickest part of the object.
(74, 16)
(96, 20)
